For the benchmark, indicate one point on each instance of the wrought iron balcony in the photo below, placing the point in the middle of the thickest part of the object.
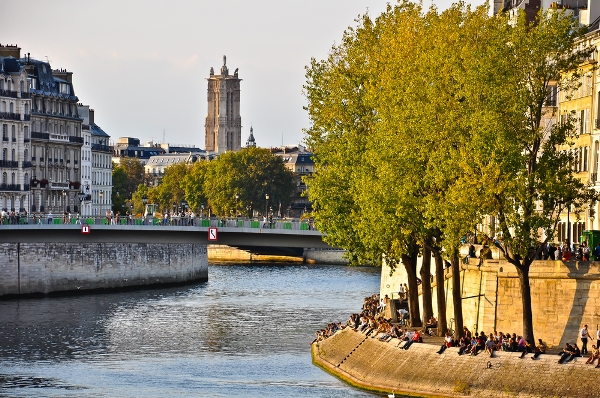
(10, 187)
(25, 94)
(9, 163)
(40, 136)
(27, 117)
(78, 140)
(27, 164)
(10, 116)
(6, 93)
(102, 148)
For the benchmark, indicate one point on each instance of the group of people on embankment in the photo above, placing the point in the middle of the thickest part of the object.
(372, 324)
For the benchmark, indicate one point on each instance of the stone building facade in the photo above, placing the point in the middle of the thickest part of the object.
(56, 139)
(15, 121)
(223, 125)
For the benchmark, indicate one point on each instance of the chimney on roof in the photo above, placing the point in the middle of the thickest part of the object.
(91, 116)
(10, 50)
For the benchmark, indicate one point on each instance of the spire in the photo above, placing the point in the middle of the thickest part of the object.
(251, 142)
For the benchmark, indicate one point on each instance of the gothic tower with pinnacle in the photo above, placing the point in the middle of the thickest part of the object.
(223, 126)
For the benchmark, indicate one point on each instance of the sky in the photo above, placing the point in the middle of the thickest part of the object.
(142, 65)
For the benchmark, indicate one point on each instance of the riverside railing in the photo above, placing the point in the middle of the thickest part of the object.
(277, 224)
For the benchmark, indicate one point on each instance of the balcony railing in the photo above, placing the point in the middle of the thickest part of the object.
(27, 164)
(593, 177)
(40, 136)
(102, 148)
(25, 94)
(78, 140)
(5, 138)
(27, 117)
(9, 163)
(10, 116)
(10, 187)
(6, 93)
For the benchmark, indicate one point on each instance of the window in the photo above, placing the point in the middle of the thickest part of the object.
(4, 177)
(585, 158)
(13, 155)
(13, 133)
(4, 153)
(12, 178)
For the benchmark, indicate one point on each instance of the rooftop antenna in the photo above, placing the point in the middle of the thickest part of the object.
(163, 141)
(47, 60)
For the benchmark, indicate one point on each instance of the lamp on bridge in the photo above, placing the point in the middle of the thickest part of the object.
(64, 195)
(101, 193)
(237, 197)
(266, 204)
(202, 207)
(81, 196)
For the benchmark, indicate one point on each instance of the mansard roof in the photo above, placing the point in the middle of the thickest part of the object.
(97, 131)
(47, 83)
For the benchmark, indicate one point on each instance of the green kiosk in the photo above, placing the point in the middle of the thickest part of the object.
(593, 238)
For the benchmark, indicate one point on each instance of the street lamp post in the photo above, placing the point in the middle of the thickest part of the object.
(202, 212)
(237, 197)
(81, 196)
(101, 193)
(64, 195)
(266, 205)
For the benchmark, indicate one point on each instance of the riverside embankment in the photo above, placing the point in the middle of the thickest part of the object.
(378, 366)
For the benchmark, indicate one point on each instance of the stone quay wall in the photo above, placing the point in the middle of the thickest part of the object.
(565, 296)
(419, 371)
(42, 268)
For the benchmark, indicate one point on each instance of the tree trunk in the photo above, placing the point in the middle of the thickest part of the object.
(441, 295)
(410, 264)
(426, 286)
(523, 272)
(457, 298)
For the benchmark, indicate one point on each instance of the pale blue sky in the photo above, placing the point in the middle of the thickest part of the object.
(142, 64)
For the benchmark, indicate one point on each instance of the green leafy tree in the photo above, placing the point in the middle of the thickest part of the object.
(516, 170)
(193, 185)
(169, 193)
(250, 173)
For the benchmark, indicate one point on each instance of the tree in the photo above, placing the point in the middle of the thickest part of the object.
(169, 194)
(525, 178)
(422, 124)
(193, 185)
(250, 173)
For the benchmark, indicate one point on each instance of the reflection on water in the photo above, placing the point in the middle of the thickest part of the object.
(244, 332)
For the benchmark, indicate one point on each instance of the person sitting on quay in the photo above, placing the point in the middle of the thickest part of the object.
(565, 353)
(479, 345)
(416, 338)
(431, 324)
(491, 345)
(594, 355)
(464, 345)
(448, 342)
(540, 349)
(529, 348)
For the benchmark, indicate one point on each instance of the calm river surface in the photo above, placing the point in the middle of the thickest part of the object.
(244, 333)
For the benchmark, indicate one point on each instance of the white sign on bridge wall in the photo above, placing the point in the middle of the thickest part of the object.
(212, 233)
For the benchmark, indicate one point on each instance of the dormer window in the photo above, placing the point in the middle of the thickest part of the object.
(65, 89)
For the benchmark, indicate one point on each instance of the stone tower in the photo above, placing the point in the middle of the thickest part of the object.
(223, 126)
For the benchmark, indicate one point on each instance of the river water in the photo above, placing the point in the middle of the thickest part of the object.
(244, 333)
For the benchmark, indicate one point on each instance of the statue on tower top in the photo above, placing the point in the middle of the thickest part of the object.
(224, 70)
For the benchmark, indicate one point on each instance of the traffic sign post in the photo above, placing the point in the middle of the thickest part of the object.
(212, 233)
